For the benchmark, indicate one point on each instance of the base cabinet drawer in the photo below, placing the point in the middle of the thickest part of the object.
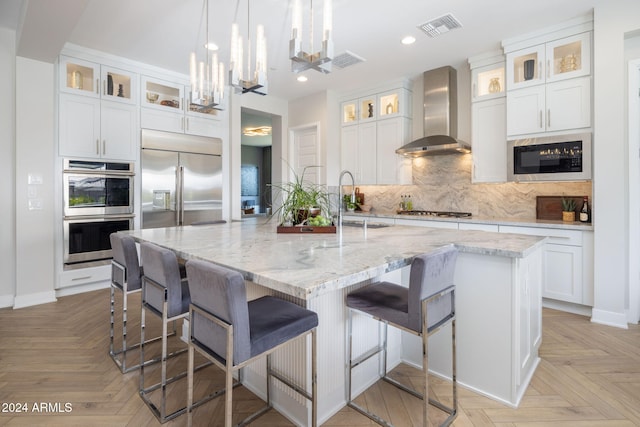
(84, 276)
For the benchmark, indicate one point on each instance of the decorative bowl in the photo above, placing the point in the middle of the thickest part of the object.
(365, 208)
(152, 97)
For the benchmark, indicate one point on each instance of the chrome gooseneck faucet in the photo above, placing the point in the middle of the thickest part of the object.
(353, 193)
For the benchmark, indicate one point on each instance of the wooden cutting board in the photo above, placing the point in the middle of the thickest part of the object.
(550, 207)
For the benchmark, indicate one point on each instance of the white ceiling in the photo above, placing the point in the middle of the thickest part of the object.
(163, 32)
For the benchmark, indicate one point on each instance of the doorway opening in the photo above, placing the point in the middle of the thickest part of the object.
(256, 162)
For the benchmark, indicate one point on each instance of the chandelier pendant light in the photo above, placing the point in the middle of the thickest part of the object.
(320, 60)
(206, 77)
(243, 79)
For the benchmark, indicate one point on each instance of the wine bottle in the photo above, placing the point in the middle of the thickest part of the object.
(584, 212)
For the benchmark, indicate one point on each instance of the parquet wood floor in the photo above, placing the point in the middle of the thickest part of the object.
(56, 354)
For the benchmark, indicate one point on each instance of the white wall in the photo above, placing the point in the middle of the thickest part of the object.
(35, 142)
(7, 168)
(612, 21)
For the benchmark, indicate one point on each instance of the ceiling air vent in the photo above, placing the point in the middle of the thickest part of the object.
(346, 59)
(440, 25)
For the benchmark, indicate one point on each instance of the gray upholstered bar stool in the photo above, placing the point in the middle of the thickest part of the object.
(232, 332)
(165, 294)
(422, 309)
(126, 277)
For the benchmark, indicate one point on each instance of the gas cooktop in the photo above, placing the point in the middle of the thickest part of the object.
(442, 214)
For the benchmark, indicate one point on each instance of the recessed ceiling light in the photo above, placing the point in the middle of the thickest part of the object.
(302, 78)
(408, 40)
(211, 46)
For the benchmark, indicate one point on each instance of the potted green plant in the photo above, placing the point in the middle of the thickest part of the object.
(348, 204)
(568, 209)
(301, 200)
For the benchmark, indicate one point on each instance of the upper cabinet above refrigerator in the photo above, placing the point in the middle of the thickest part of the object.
(87, 78)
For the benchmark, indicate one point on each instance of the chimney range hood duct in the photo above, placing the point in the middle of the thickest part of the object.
(440, 117)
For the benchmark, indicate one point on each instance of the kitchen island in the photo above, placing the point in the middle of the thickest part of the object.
(498, 301)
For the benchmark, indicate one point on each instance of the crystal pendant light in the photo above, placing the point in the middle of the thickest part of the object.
(320, 60)
(206, 77)
(244, 79)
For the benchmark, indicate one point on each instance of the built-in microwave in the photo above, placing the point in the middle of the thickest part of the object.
(97, 188)
(550, 158)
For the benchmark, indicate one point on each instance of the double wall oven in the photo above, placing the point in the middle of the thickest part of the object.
(97, 201)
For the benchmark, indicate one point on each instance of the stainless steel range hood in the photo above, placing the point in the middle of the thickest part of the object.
(440, 117)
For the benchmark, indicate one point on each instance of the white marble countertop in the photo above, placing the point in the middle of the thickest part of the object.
(308, 265)
(537, 223)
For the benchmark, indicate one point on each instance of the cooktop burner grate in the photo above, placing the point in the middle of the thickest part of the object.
(442, 214)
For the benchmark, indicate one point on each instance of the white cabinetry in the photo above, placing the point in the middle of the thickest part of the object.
(358, 151)
(553, 107)
(488, 118)
(85, 276)
(560, 59)
(451, 225)
(548, 79)
(373, 127)
(566, 263)
(97, 112)
(489, 140)
(164, 107)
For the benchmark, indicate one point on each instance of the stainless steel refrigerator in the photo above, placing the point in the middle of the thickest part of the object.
(181, 179)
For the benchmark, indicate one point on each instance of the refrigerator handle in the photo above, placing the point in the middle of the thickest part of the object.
(179, 201)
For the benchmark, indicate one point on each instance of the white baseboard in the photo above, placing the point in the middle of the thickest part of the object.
(29, 300)
(610, 318)
(582, 310)
(6, 300)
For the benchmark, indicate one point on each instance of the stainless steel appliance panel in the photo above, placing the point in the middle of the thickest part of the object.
(97, 188)
(181, 179)
(159, 184)
(201, 187)
(87, 239)
(550, 158)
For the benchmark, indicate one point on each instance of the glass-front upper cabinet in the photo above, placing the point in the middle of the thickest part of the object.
(560, 59)
(79, 76)
(119, 85)
(99, 81)
(525, 67)
(569, 57)
(161, 94)
(349, 112)
(393, 103)
(367, 108)
(359, 110)
(488, 82)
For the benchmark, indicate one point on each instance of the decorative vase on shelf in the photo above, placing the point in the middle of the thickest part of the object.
(494, 85)
(76, 80)
(370, 110)
(529, 66)
(109, 84)
(389, 108)
(120, 91)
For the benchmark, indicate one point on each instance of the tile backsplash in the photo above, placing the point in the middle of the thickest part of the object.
(443, 183)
